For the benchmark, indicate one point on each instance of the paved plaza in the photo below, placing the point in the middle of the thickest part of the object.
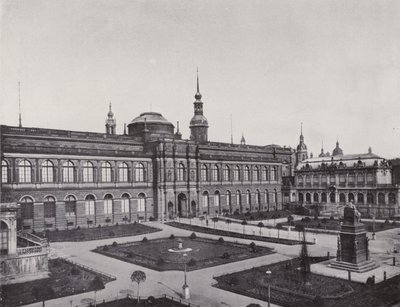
(201, 281)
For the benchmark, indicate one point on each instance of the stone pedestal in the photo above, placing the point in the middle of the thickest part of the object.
(186, 292)
(353, 251)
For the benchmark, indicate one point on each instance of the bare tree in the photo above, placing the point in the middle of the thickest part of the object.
(138, 277)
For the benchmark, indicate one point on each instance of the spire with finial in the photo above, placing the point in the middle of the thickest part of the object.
(178, 135)
(198, 95)
(111, 122)
(19, 105)
(322, 150)
(242, 140)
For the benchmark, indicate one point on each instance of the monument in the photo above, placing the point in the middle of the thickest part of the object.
(353, 252)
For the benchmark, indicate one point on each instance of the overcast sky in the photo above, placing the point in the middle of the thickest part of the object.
(333, 65)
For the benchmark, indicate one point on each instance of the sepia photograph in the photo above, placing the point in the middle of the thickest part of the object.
(204, 153)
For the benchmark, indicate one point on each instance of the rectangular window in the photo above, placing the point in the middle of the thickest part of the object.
(205, 201)
(4, 174)
(88, 174)
(125, 205)
(216, 200)
(25, 174)
(89, 207)
(141, 204)
(68, 174)
(70, 208)
(49, 209)
(108, 204)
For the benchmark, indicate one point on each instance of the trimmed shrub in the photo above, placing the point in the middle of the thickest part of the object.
(99, 226)
(221, 240)
(105, 248)
(151, 300)
(370, 281)
(172, 236)
(116, 224)
(114, 244)
(226, 255)
(387, 222)
(192, 262)
(193, 236)
(78, 228)
(144, 240)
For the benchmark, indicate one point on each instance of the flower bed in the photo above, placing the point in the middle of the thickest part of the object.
(232, 234)
(98, 233)
(155, 254)
(65, 279)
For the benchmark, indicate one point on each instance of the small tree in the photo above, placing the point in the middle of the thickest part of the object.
(138, 277)
(244, 223)
(215, 219)
(228, 222)
(304, 259)
(279, 227)
(261, 225)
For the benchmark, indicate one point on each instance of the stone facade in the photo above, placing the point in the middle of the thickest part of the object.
(69, 178)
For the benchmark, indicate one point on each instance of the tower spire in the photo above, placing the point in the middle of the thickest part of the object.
(231, 131)
(198, 95)
(19, 105)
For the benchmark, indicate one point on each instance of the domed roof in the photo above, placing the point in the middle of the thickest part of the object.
(337, 151)
(301, 146)
(150, 118)
(198, 120)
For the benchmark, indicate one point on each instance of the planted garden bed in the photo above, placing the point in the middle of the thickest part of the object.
(155, 254)
(65, 279)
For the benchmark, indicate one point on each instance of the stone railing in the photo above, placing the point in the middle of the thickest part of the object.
(30, 250)
(33, 238)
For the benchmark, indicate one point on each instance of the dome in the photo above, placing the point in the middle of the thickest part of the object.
(153, 124)
(337, 151)
(198, 120)
(301, 146)
(150, 118)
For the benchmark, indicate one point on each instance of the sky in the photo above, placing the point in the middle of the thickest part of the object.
(332, 65)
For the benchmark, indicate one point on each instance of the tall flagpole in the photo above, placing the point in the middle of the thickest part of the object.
(19, 104)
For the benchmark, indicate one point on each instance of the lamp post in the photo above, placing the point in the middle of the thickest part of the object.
(268, 272)
(373, 226)
(185, 287)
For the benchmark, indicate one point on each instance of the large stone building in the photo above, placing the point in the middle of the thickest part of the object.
(68, 178)
(364, 179)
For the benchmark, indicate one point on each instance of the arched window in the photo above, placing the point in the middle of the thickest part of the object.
(370, 178)
(125, 201)
(47, 171)
(300, 180)
(258, 197)
(4, 171)
(88, 170)
(308, 198)
(228, 197)
(141, 202)
(70, 205)
(308, 180)
(25, 171)
(108, 204)
(123, 170)
(181, 172)
(360, 198)
(392, 198)
(139, 172)
(323, 197)
(236, 173)
(106, 172)
(276, 196)
(238, 198)
(227, 173)
(324, 180)
(342, 198)
(256, 173)
(316, 197)
(3, 238)
(381, 198)
(351, 179)
(315, 180)
(215, 172)
(26, 208)
(49, 205)
(342, 179)
(217, 199)
(351, 197)
(360, 179)
(273, 173)
(370, 198)
(89, 205)
(267, 197)
(246, 173)
(205, 199)
(301, 197)
(68, 172)
(204, 172)
(265, 173)
(248, 197)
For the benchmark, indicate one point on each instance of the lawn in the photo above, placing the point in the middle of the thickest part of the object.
(288, 288)
(65, 279)
(232, 234)
(154, 254)
(334, 224)
(97, 233)
(259, 215)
